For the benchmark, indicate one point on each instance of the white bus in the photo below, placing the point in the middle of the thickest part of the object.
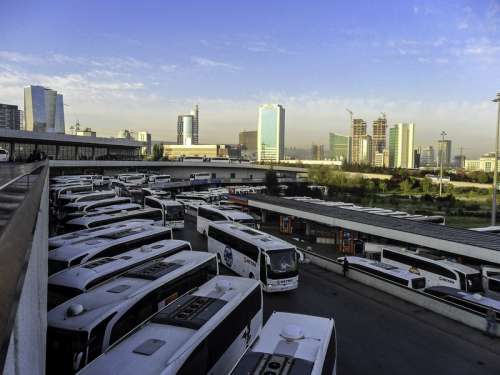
(160, 178)
(80, 208)
(471, 301)
(80, 329)
(76, 280)
(204, 332)
(436, 270)
(98, 219)
(172, 211)
(134, 178)
(196, 196)
(200, 176)
(491, 280)
(86, 234)
(292, 344)
(386, 271)
(207, 214)
(254, 254)
(84, 196)
(105, 245)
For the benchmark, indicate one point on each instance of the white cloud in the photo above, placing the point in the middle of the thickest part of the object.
(208, 63)
(168, 68)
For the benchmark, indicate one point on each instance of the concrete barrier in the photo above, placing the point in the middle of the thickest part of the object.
(434, 304)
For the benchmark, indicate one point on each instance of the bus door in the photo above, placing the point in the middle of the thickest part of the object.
(263, 268)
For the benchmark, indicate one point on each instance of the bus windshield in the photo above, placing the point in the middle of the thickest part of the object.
(175, 213)
(57, 294)
(283, 263)
(66, 346)
(474, 283)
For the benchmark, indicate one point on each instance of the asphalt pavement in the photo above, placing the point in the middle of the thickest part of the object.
(378, 333)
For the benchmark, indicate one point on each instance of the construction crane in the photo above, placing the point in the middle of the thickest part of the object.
(350, 113)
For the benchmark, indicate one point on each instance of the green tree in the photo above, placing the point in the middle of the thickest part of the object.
(406, 186)
(426, 185)
(271, 182)
(157, 152)
(382, 186)
(483, 178)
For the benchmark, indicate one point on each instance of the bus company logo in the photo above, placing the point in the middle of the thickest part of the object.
(228, 256)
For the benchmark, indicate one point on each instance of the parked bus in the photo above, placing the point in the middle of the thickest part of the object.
(4, 155)
(159, 178)
(254, 254)
(80, 208)
(79, 279)
(84, 196)
(207, 214)
(86, 234)
(204, 332)
(196, 196)
(98, 219)
(172, 211)
(471, 301)
(436, 270)
(292, 344)
(80, 329)
(386, 271)
(200, 176)
(491, 281)
(105, 245)
(134, 178)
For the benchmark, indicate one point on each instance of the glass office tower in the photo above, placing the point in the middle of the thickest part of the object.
(271, 133)
(44, 110)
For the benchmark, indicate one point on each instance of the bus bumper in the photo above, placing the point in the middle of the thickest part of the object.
(281, 285)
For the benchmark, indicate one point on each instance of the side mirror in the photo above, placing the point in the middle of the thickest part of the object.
(301, 256)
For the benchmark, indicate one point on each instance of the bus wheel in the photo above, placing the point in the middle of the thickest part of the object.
(251, 276)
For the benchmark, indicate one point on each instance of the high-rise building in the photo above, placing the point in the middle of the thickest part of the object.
(340, 147)
(22, 125)
(358, 129)
(185, 130)
(381, 159)
(379, 138)
(427, 156)
(248, 142)
(44, 110)
(145, 138)
(271, 133)
(401, 149)
(444, 151)
(318, 152)
(196, 122)
(10, 117)
(365, 149)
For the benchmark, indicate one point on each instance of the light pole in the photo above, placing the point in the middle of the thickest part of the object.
(443, 133)
(495, 167)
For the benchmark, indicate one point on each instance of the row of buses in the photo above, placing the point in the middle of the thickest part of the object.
(125, 297)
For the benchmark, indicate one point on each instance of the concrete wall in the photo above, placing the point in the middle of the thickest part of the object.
(418, 298)
(26, 354)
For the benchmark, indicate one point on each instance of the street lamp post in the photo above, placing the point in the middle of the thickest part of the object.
(443, 133)
(495, 167)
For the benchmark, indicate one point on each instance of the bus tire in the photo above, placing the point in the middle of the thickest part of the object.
(251, 276)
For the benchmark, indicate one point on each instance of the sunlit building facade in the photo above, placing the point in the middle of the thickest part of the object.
(271, 133)
(401, 148)
(44, 110)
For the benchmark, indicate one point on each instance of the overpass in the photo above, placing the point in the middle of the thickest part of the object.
(240, 173)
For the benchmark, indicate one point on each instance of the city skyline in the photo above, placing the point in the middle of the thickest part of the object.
(434, 69)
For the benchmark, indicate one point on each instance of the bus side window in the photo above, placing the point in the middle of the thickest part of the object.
(263, 269)
(142, 310)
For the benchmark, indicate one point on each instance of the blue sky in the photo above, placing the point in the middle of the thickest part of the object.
(129, 64)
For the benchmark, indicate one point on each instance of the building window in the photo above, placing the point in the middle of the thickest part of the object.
(22, 151)
(233, 175)
(84, 153)
(100, 153)
(67, 153)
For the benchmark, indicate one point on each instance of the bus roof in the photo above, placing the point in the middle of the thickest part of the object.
(311, 347)
(256, 237)
(223, 293)
(85, 220)
(231, 212)
(100, 302)
(94, 232)
(96, 244)
(79, 276)
(113, 200)
(384, 267)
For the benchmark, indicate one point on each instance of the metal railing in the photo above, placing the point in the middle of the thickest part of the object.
(20, 196)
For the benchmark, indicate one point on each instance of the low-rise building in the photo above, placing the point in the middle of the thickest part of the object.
(206, 151)
(486, 163)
